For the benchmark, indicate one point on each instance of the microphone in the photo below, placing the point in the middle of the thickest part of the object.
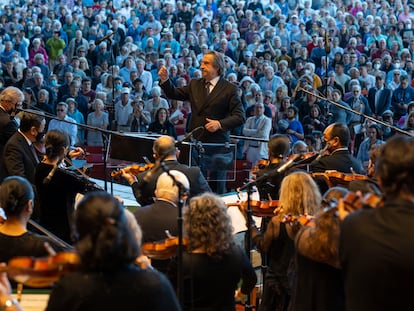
(288, 164)
(108, 36)
(322, 151)
(186, 137)
(48, 178)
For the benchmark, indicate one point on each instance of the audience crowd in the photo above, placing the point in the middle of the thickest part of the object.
(97, 62)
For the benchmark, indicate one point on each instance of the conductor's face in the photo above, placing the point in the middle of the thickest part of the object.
(207, 67)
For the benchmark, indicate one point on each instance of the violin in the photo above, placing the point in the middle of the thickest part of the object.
(354, 201)
(162, 249)
(41, 272)
(334, 178)
(303, 220)
(259, 208)
(133, 169)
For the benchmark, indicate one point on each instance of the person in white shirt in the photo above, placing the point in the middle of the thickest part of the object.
(257, 126)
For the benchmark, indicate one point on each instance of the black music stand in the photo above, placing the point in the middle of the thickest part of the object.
(125, 148)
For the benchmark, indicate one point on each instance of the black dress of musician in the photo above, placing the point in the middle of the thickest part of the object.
(57, 187)
(17, 200)
(268, 187)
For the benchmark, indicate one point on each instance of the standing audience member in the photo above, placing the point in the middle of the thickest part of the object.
(213, 262)
(139, 119)
(98, 118)
(64, 123)
(258, 126)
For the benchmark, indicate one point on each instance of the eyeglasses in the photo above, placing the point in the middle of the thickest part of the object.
(60, 109)
(397, 74)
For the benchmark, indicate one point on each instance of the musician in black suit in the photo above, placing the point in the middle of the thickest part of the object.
(215, 105)
(162, 215)
(379, 97)
(9, 99)
(20, 157)
(164, 150)
(337, 138)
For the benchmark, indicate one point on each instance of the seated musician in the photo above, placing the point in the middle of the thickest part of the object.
(299, 195)
(376, 244)
(162, 215)
(319, 284)
(268, 188)
(164, 150)
(336, 137)
(107, 278)
(213, 264)
(16, 199)
(58, 187)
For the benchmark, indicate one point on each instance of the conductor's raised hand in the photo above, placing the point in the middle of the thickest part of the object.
(163, 74)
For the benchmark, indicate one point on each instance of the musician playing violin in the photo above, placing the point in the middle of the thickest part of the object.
(17, 199)
(318, 279)
(213, 264)
(164, 149)
(336, 137)
(299, 195)
(376, 245)
(57, 187)
(268, 188)
(162, 215)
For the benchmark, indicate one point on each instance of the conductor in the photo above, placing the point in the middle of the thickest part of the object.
(215, 105)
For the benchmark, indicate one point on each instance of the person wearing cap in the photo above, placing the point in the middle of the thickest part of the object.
(401, 97)
(75, 114)
(82, 101)
(123, 109)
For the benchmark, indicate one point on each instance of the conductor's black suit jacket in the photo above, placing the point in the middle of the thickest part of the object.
(222, 104)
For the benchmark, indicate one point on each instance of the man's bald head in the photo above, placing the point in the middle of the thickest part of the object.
(164, 146)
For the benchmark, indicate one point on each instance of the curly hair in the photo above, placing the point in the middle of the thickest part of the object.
(299, 194)
(208, 225)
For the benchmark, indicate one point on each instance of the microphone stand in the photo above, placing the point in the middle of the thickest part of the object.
(249, 222)
(182, 192)
(401, 131)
